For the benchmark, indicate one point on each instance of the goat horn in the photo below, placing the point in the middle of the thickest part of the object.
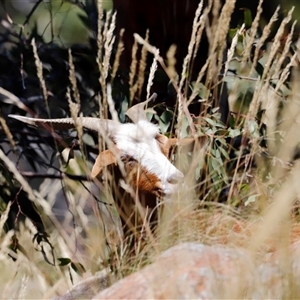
(98, 125)
(137, 112)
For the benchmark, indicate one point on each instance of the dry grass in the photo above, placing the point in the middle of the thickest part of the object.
(95, 237)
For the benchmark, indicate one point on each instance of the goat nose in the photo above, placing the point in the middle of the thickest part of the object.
(179, 175)
(176, 177)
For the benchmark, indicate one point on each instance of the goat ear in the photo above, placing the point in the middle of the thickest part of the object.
(187, 143)
(173, 142)
(166, 144)
(163, 143)
(137, 112)
(105, 158)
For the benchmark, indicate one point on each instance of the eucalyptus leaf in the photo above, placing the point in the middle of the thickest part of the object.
(165, 121)
(63, 261)
(210, 121)
(251, 199)
(247, 17)
(78, 268)
(224, 152)
(234, 132)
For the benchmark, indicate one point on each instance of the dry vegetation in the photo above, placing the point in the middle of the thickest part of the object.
(260, 211)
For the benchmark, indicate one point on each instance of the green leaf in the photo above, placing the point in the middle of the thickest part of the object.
(222, 140)
(88, 139)
(217, 154)
(251, 199)
(85, 20)
(247, 17)
(203, 91)
(253, 128)
(232, 32)
(78, 268)
(215, 165)
(150, 112)
(210, 121)
(259, 68)
(123, 109)
(215, 110)
(53, 157)
(63, 261)
(184, 128)
(234, 132)
(224, 152)
(165, 121)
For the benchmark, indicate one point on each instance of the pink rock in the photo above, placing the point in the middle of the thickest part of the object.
(188, 271)
(197, 271)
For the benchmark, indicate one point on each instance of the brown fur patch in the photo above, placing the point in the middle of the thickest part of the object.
(140, 178)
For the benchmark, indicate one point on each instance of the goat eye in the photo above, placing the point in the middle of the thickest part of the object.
(128, 159)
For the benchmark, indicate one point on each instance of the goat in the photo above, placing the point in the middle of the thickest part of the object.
(140, 150)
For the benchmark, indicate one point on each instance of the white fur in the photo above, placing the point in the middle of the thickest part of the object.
(138, 140)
